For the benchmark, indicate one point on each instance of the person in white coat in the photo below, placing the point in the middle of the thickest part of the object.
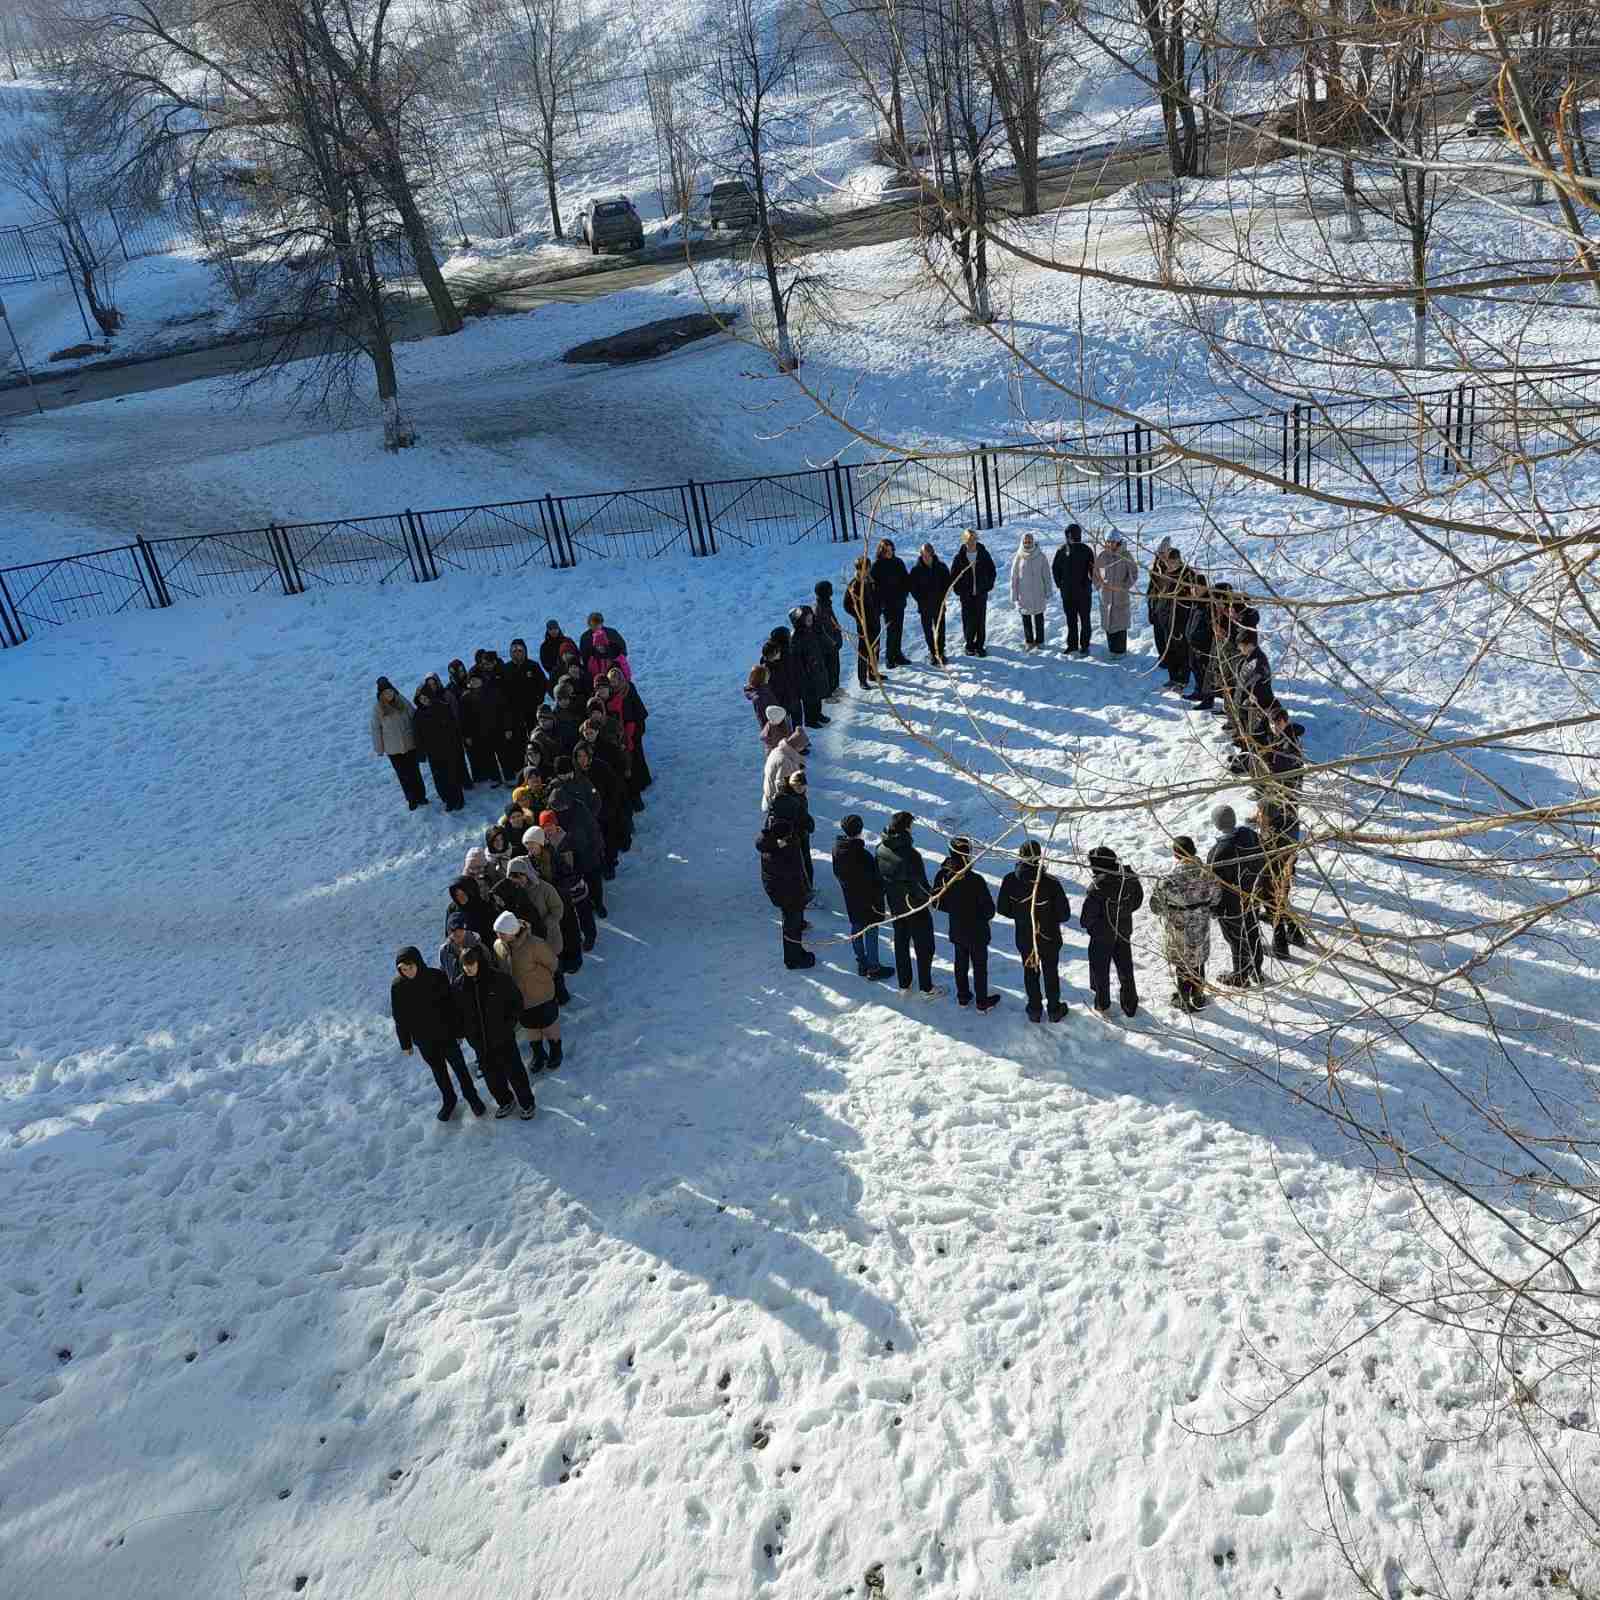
(787, 759)
(1030, 589)
(392, 736)
(1115, 573)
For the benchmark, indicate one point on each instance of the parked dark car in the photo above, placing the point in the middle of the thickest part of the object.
(611, 223)
(731, 204)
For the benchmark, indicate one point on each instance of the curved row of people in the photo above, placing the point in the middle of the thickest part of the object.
(478, 725)
(522, 913)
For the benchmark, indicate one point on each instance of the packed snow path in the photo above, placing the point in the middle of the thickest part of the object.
(788, 1282)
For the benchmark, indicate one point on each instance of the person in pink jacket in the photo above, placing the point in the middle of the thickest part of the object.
(601, 660)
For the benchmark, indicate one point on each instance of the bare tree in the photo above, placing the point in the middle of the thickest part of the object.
(756, 58)
(670, 94)
(60, 164)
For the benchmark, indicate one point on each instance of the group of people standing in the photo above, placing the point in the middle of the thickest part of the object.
(522, 914)
(1201, 630)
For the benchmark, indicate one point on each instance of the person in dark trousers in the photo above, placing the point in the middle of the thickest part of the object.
(530, 962)
(861, 885)
(425, 1021)
(1072, 567)
(930, 587)
(1161, 604)
(1184, 901)
(466, 897)
(525, 685)
(1180, 587)
(810, 656)
(433, 726)
(1278, 810)
(893, 584)
(576, 804)
(572, 884)
(758, 691)
(1038, 905)
(1236, 861)
(790, 805)
(551, 646)
(783, 674)
(861, 606)
(832, 632)
(909, 897)
(393, 736)
(482, 729)
(1115, 573)
(1200, 641)
(615, 644)
(1252, 695)
(972, 576)
(1107, 917)
(783, 877)
(488, 1004)
(964, 898)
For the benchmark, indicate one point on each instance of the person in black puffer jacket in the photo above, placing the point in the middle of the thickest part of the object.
(866, 617)
(1237, 861)
(1038, 905)
(862, 887)
(784, 879)
(810, 657)
(1107, 917)
(425, 1020)
(783, 678)
(488, 1004)
(965, 899)
(832, 633)
(929, 582)
(910, 898)
(893, 583)
(466, 896)
(433, 726)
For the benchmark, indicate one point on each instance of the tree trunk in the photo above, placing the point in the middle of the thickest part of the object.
(396, 435)
(1352, 212)
(897, 111)
(982, 310)
(427, 264)
(550, 195)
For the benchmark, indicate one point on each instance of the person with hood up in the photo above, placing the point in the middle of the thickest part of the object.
(965, 899)
(577, 803)
(616, 812)
(1237, 861)
(478, 865)
(1030, 590)
(909, 897)
(627, 706)
(972, 576)
(861, 885)
(530, 963)
(1072, 567)
(1038, 905)
(488, 1004)
(810, 656)
(788, 758)
(551, 646)
(393, 736)
(566, 873)
(483, 729)
(830, 632)
(758, 691)
(526, 683)
(1160, 599)
(425, 1021)
(783, 683)
(1115, 573)
(862, 607)
(783, 876)
(545, 911)
(602, 657)
(893, 583)
(1183, 900)
(467, 897)
(457, 936)
(1107, 917)
(929, 582)
(1201, 642)
(497, 839)
(438, 739)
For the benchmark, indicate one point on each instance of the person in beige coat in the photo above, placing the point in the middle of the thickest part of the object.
(788, 759)
(531, 964)
(392, 736)
(1115, 574)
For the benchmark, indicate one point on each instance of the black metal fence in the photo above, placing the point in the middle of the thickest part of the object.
(40, 250)
(1423, 438)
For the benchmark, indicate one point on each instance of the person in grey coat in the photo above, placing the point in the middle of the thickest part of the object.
(1030, 589)
(393, 736)
(1115, 573)
(1184, 900)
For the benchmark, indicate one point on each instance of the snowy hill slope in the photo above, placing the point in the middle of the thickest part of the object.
(789, 1282)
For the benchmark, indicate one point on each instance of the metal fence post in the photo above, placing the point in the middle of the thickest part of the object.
(122, 244)
(1127, 476)
(27, 250)
(987, 519)
(157, 582)
(691, 518)
(841, 495)
(1140, 488)
(1461, 406)
(1470, 391)
(10, 621)
(1283, 447)
(280, 559)
(289, 557)
(707, 526)
(547, 516)
(429, 571)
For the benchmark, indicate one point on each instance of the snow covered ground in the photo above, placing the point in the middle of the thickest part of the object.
(790, 1287)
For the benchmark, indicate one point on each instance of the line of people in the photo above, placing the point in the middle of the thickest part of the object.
(522, 914)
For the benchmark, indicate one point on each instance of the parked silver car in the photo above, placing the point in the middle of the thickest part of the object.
(611, 223)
